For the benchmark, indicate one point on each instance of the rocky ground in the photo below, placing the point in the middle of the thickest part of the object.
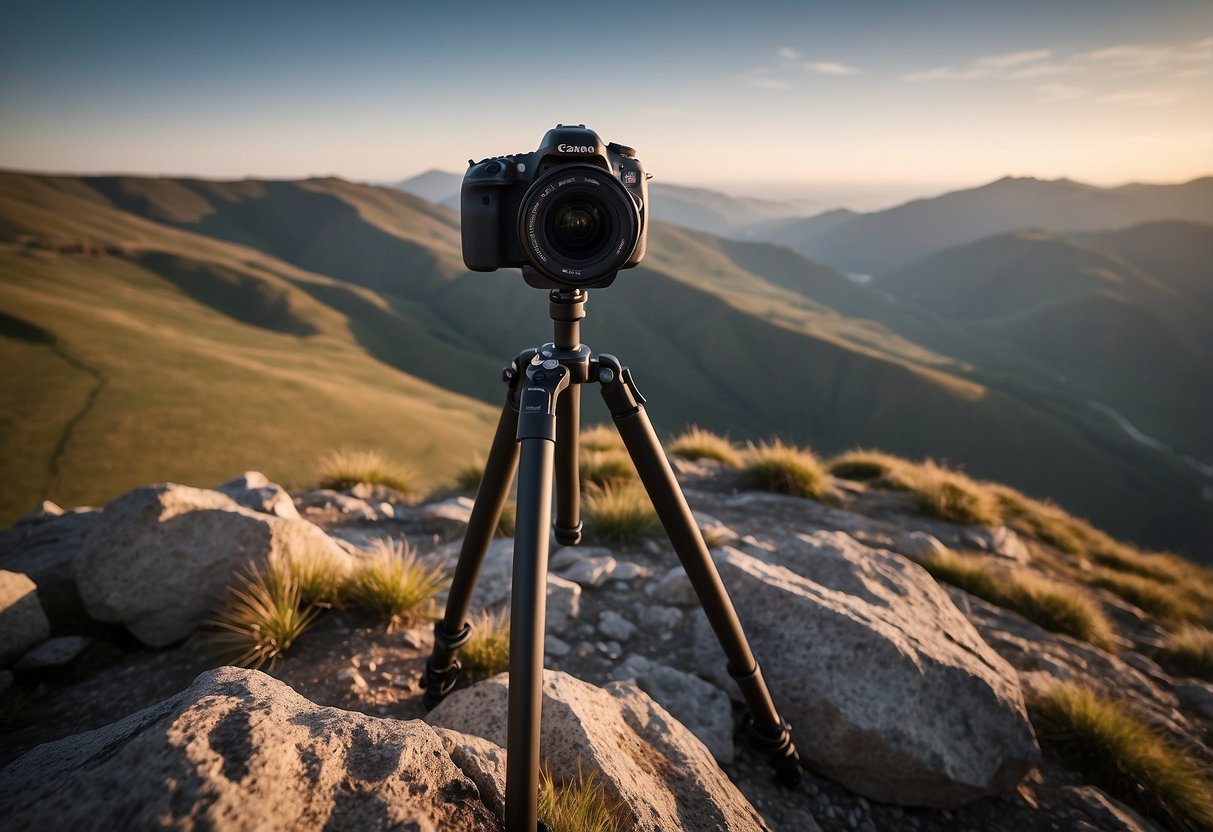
(901, 693)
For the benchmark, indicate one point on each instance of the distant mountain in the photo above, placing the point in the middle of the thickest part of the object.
(882, 242)
(696, 208)
(163, 328)
(1139, 342)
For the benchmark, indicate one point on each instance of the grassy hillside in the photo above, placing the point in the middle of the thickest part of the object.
(884, 241)
(1133, 341)
(135, 354)
(347, 286)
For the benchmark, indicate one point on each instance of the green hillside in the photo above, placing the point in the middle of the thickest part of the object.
(1109, 331)
(344, 309)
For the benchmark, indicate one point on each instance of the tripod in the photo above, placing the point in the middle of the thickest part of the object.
(538, 434)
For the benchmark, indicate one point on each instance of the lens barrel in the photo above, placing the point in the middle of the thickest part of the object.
(578, 224)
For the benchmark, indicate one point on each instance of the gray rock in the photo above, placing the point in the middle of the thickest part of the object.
(675, 588)
(448, 518)
(252, 489)
(494, 587)
(22, 621)
(1105, 812)
(239, 749)
(613, 625)
(626, 570)
(915, 545)
(618, 736)
(45, 510)
(483, 763)
(660, 617)
(701, 706)
(553, 646)
(160, 558)
(45, 549)
(353, 508)
(861, 648)
(54, 652)
(566, 556)
(1195, 695)
(590, 572)
(996, 540)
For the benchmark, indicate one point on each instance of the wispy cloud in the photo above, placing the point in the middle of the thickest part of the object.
(1143, 98)
(1055, 93)
(789, 65)
(830, 68)
(1013, 58)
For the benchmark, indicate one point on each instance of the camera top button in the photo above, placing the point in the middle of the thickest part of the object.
(551, 364)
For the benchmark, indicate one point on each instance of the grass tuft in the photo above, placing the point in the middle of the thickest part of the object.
(579, 805)
(263, 617)
(488, 651)
(344, 469)
(865, 465)
(949, 495)
(787, 469)
(1169, 602)
(1049, 604)
(620, 513)
(696, 443)
(600, 438)
(468, 477)
(318, 571)
(1124, 756)
(1190, 650)
(601, 467)
(394, 584)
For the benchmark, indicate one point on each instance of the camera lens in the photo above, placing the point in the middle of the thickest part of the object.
(577, 227)
(577, 224)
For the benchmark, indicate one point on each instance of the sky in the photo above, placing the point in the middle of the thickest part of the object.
(847, 103)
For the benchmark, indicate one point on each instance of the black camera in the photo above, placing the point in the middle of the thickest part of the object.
(571, 214)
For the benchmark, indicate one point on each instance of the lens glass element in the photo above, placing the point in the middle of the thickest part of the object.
(578, 227)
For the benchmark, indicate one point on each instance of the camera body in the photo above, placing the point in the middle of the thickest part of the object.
(570, 214)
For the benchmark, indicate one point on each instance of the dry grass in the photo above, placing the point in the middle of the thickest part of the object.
(1170, 602)
(488, 651)
(318, 571)
(867, 466)
(949, 495)
(579, 805)
(602, 467)
(696, 443)
(394, 584)
(467, 478)
(1054, 606)
(620, 513)
(507, 522)
(786, 469)
(344, 469)
(600, 438)
(263, 617)
(1124, 756)
(1189, 650)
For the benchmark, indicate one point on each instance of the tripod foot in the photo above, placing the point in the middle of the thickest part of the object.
(438, 681)
(778, 748)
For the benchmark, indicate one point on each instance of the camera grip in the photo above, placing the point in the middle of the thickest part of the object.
(481, 227)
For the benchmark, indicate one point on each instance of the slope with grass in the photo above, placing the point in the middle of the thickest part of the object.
(363, 286)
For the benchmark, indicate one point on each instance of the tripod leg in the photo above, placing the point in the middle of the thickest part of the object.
(528, 604)
(767, 732)
(453, 631)
(568, 485)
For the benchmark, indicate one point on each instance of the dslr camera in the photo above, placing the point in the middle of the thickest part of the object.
(570, 214)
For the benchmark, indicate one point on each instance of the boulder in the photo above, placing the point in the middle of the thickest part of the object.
(999, 541)
(241, 750)
(448, 518)
(253, 489)
(160, 559)
(701, 706)
(23, 624)
(53, 653)
(44, 545)
(643, 758)
(860, 648)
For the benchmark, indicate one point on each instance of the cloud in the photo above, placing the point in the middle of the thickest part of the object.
(940, 73)
(1143, 98)
(787, 56)
(1013, 58)
(1054, 93)
(830, 68)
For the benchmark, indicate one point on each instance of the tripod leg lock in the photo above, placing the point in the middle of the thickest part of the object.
(774, 742)
(442, 668)
(568, 536)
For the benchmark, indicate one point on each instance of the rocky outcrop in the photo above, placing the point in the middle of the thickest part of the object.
(862, 649)
(23, 624)
(620, 737)
(253, 489)
(43, 545)
(240, 750)
(160, 558)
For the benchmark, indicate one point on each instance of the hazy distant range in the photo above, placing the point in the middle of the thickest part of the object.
(1050, 334)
